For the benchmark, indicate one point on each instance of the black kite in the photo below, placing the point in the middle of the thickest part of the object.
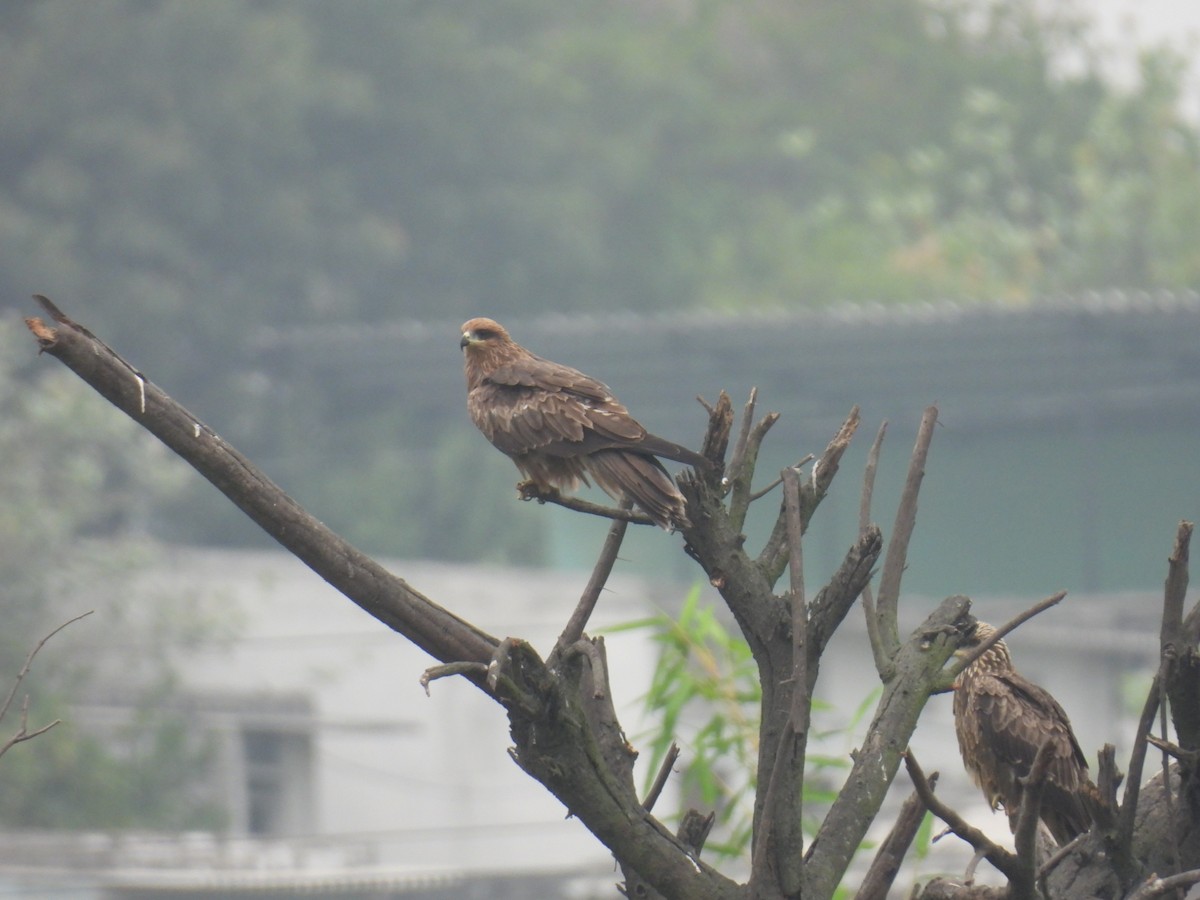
(560, 426)
(1002, 720)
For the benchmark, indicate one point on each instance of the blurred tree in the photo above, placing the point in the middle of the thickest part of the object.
(200, 173)
(78, 490)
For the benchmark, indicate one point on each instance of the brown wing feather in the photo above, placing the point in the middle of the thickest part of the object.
(643, 479)
(529, 370)
(523, 419)
(557, 410)
(1003, 720)
(559, 425)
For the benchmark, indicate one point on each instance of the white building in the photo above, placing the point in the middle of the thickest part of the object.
(342, 778)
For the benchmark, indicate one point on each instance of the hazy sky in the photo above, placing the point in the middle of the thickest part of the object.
(1149, 22)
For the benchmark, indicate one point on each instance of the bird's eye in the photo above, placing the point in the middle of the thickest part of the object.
(484, 334)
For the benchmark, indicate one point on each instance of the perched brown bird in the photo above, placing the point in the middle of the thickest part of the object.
(560, 426)
(1002, 720)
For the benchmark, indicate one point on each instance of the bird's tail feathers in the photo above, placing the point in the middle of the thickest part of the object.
(644, 480)
(652, 443)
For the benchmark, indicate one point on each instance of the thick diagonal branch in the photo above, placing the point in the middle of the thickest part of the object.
(555, 722)
(385, 596)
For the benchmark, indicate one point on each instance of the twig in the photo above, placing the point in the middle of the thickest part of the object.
(1006, 862)
(1137, 759)
(791, 499)
(1058, 856)
(23, 733)
(1104, 810)
(1175, 589)
(660, 780)
(530, 491)
(1156, 887)
(886, 864)
(740, 474)
(1169, 649)
(591, 593)
(1177, 645)
(883, 662)
(897, 552)
(763, 491)
(445, 670)
(774, 555)
(1170, 659)
(1173, 750)
(1025, 834)
(960, 663)
(864, 502)
(734, 469)
(34, 652)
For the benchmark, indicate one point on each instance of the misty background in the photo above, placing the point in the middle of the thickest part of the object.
(281, 212)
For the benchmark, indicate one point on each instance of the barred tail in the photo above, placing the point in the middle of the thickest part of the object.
(644, 480)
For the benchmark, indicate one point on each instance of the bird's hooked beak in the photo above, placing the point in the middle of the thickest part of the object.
(465, 341)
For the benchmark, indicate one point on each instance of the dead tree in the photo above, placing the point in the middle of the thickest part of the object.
(563, 724)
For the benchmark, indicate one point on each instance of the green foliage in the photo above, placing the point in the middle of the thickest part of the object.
(705, 695)
(383, 521)
(144, 775)
(77, 486)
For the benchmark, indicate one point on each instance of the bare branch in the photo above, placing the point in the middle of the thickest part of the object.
(389, 599)
(1156, 887)
(884, 867)
(716, 436)
(883, 663)
(1025, 834)
(591, 593)
(734, 469)
(1177, 646)
(660, 780)
(774, 555)
(1002, 859)
(23, 733)
(1173, 750)
(1171, 634)
(879, 756)
(1104, 810)
(1175, 589)
(477, 670)
(557, 749)
(953, 670)
(897, 552)
(528, 490)
(774, 483)
(744, 461)
(34, 652)
(800, 699)
(1137, 759)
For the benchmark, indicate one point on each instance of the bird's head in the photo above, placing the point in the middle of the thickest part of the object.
(480, 333)
(995, 657)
